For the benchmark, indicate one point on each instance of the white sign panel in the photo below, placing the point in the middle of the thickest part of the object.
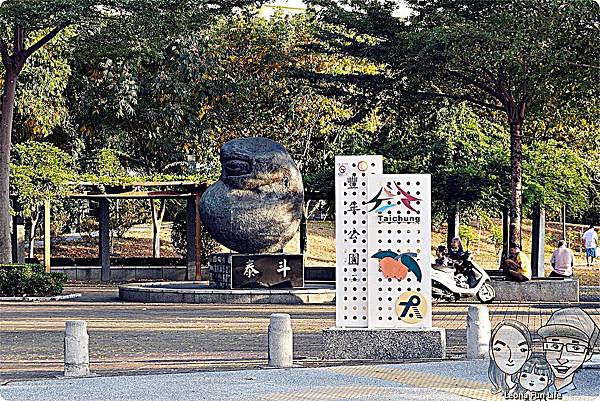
(399, 250)
(351, 173)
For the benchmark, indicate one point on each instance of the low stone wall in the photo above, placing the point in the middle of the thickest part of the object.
(537, 290)
(123, 273)
(195, 292)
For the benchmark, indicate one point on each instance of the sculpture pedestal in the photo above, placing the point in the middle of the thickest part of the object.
(273, 270)
(384, 344)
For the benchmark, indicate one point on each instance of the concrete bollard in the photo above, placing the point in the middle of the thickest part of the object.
(281, 342)
(478, 332)
(77, 358)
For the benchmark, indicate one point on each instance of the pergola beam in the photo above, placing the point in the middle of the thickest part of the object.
(131, 195)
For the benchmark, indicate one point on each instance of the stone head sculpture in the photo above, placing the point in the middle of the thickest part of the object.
(256, 205)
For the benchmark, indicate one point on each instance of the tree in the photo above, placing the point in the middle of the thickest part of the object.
(523, 59)
(466, 155)
(34, 24)
(554, 175)
(210, 85)
(40, 172)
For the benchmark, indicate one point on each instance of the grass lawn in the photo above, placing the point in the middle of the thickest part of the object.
(321, 246)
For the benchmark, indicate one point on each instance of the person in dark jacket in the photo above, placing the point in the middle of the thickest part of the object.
(456, 251)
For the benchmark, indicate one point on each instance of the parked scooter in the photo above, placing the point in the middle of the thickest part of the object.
(461, 279)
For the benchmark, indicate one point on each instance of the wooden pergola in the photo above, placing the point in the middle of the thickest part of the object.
(189, 190)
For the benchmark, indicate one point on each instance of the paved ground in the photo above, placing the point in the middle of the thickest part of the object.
(133, 338)
(444, 381)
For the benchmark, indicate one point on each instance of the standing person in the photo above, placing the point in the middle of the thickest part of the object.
(590, 240)
(517, 266)
(562, 261)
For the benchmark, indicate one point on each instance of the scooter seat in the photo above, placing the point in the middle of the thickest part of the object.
(444, 269)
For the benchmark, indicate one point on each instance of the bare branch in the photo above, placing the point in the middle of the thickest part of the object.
(597, 67)
(48, 37)
(482, 68)
(462, 97)
(474, 82)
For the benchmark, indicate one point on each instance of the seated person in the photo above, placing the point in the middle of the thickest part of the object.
(456, 251)
(441, 254)
(517, 266)
(562, 261)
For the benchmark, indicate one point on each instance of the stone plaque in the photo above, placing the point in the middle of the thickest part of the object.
(256, 271)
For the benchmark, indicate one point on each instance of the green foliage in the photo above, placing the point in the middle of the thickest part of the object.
(494, 230)
(40, 171)
(554, 174)
(467, 156)
(87, 226)
(531, 63)
(496, 236)
(573, 238)
(179, 238)
(209, 85)
(106, 169)
(29, 280)
(40, 105)
(108, 165)
(467, 235)
(125, 213)
(483, 51)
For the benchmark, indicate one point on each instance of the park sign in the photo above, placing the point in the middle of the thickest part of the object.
(351, 173)
(399, 243)
(383, 241)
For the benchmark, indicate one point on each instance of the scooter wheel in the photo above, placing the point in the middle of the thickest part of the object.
(486, 293)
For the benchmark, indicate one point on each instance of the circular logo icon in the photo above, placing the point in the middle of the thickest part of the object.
(342, 168)
(363, 165)
(411, 307)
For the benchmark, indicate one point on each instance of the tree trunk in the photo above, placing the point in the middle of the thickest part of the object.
(13, 64)
(8, 106)
(563, 214)
(453, 220)
(516, 198)
(505, 232)
(33, 226)
(157, 218)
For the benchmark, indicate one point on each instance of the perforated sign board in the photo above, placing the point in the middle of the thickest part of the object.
(351, 173)
(399, 251)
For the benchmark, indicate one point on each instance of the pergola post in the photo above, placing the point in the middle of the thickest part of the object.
(198, 242)
(18, 235)
(538, 241)
(46, 235)
(190, 231)
(104, 239)
(303, 236)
